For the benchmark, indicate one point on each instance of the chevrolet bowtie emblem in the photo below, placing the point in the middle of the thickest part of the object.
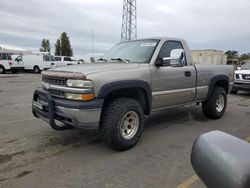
(47, 86)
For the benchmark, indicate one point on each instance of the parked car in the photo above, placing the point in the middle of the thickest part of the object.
(242, 79)
(91, 58)
(61, 61)
(7, 64)
(38, 62)
(130, 81)
(221, 160)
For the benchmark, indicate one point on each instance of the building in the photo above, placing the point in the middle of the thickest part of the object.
(209, 57)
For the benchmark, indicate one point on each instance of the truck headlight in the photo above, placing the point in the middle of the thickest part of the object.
(80, 83)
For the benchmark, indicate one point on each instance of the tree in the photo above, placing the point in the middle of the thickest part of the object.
(66, 49)
(45, 45)
(232, 54)
(245, 56)
(58, 48)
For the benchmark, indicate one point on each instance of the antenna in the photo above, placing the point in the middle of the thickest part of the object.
(129, 21)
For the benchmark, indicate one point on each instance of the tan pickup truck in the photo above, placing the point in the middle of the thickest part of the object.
(130, 81)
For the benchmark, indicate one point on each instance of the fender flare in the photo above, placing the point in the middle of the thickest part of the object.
(128, 84)
(212, 83)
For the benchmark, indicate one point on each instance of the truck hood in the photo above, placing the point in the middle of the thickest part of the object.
(242, 72)
(91, 68)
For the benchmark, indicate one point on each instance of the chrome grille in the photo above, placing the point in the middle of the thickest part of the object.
(54, 81)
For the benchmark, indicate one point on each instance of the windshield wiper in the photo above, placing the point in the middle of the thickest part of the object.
(102, 59)
(120, 59)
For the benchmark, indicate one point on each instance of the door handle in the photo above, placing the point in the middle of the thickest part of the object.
(188, 74)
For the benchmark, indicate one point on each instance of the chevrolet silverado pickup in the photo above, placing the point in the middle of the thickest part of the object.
(132, 80)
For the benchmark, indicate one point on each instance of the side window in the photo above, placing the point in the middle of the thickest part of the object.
(4, 57)
(172, 51)
(19, 59)
(67, 59)
(46, 58)
(57, 58)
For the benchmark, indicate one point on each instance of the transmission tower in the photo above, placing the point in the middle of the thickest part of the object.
(129, 30)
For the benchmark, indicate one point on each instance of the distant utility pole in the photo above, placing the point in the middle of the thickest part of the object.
(129, 21)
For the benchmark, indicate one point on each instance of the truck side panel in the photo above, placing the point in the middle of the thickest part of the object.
(205, 74)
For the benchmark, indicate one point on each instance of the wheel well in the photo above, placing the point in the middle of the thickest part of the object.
(36, 66)
(136, 93)
(223, 84)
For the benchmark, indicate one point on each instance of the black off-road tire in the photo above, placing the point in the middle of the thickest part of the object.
(233, 91)
(2, 71)
(36, 69)
(111, 119)
(209, 107)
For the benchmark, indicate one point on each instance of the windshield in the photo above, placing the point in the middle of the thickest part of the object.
(136, 51)
(246, 66)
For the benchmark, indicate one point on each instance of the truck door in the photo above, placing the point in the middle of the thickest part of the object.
(172, 85)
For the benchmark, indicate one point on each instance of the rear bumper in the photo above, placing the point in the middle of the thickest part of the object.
(241, 86)
(84, 115)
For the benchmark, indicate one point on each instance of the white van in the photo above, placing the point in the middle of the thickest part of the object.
(38, 62)
(7, 64)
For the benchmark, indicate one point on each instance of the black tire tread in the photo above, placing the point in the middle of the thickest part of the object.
(111, 116)
(209, 108)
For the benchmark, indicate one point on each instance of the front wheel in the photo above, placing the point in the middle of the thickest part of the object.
(215, 107)
(122, 123)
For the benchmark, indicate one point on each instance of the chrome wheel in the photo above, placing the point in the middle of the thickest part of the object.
(129, 125)
(220, 103)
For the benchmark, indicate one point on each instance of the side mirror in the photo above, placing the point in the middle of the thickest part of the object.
(168, 61)
(221, 160)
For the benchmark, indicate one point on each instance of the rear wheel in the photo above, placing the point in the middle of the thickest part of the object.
(215, 107)
(36, 69)
(2, 69)
(122, 123)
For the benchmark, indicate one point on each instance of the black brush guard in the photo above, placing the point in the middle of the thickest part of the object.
(47, 111)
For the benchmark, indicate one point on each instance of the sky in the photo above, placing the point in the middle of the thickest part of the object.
(213, 24)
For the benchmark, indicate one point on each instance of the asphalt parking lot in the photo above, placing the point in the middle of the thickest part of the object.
(34, 155)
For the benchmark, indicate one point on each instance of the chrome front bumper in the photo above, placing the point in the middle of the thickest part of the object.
(84, 115)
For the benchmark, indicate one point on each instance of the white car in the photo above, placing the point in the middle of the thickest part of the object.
(61, 61)
(38, 62)
(7, 64)
(242, 79)
(91, 58)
